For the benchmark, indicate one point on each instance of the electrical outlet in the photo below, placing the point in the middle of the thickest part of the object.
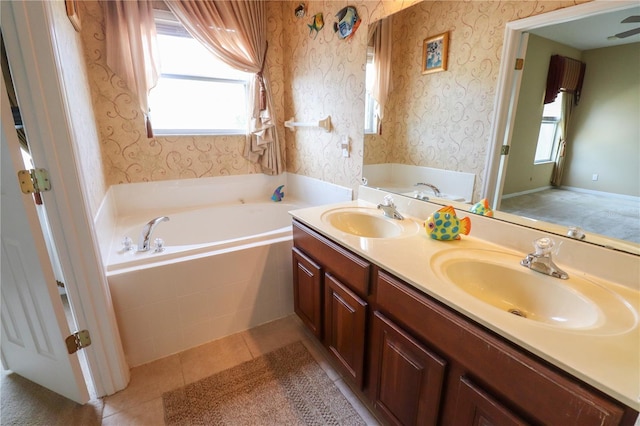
(594, 177)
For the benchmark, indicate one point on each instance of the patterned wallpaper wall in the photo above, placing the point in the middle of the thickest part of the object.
(443, 119)
(127, 154)
(445, 125)
(83, 124)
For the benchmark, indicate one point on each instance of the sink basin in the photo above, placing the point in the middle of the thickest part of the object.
(369, 223)
(496, 278)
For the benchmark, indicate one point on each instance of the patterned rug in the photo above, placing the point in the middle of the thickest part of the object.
(284, 387)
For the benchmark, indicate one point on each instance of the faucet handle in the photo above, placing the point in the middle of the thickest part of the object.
(388, 200)
(545, 246)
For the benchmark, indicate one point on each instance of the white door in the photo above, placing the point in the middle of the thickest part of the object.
(33, 320)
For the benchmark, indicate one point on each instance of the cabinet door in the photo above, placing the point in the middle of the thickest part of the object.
(345, 315)
(476, 407)
(406, 378)
(307, 292)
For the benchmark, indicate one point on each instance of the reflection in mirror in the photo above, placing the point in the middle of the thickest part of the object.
(444, 121)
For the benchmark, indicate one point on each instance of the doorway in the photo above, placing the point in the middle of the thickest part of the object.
(42, 215)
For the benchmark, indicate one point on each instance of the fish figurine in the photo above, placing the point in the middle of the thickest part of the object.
(316, 25)
(482, 208)
(278, 195)
(444, 225)
(348, 22)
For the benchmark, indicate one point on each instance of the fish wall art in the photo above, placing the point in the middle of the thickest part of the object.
(316, 25)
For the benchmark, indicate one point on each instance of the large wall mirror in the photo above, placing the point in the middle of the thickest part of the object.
(448, 121)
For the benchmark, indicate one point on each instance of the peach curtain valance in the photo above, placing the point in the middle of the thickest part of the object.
(236, 33)
(380, 36)
(132, 52)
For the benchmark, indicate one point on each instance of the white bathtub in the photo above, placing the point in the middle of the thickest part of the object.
(226, 267)
(194, 231)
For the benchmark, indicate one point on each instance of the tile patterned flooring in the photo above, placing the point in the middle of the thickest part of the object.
(141, 402)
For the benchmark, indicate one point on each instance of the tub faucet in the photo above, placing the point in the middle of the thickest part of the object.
(434, 188)
(147, 230)
(389, 208)
(540, 260)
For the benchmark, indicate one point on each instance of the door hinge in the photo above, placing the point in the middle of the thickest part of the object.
(504, 150)
(519, 64)
(34, 181)
(78, 340)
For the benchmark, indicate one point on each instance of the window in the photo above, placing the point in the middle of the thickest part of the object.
(549, 135)
(370, 104)
(196, 94)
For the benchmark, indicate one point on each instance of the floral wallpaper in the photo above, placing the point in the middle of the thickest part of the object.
(438, 120)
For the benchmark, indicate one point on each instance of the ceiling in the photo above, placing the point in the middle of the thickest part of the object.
(593, 32)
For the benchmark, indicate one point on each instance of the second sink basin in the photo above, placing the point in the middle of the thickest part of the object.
(496, 278)
(369, 223)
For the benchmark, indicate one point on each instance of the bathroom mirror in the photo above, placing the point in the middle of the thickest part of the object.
(489, 130)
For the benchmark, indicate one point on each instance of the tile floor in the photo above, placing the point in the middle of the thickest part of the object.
(141, 402)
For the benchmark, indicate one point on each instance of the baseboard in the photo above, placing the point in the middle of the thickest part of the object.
(529, 191)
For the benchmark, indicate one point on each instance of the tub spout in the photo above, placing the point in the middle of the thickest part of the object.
(147, 230)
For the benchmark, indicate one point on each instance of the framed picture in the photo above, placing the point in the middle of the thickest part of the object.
(435, 51)
(72, 13)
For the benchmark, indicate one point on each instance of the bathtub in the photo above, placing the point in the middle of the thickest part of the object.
(205, 229)
(226, 266)
(224, 269)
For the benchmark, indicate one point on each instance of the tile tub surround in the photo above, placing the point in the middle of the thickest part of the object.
(606, 362)
(187, 302)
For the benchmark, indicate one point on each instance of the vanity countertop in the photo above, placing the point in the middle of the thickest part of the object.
(609, 362)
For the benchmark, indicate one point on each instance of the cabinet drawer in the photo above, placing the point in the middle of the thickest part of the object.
(510, 374)
(346, 266)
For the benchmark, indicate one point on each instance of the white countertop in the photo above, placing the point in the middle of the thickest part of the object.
(608, 362)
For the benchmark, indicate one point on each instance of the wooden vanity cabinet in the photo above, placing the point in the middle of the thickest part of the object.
(307, 292)
(489, 381)
(420, 362)
(406, 378)
(338, 290)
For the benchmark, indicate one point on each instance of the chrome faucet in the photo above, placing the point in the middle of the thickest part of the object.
(389, 208)
(147, 230)
(540, 260)
(434, 188)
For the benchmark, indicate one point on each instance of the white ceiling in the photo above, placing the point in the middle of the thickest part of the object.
(592, 32)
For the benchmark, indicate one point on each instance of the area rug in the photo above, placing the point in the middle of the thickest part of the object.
(283, 387)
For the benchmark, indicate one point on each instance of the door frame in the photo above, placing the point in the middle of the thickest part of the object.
(36, 60)
(509, 85)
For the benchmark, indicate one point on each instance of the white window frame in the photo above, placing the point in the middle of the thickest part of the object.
(555, 121)
(167, 24)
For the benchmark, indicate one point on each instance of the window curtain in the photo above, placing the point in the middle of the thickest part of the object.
(132, 52)
(380, 37)
(236, 31)
(567, 110)
(565, 75)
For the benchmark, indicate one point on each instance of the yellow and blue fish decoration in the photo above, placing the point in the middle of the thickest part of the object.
(444, 225)
(482, 208)
(316, 25)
